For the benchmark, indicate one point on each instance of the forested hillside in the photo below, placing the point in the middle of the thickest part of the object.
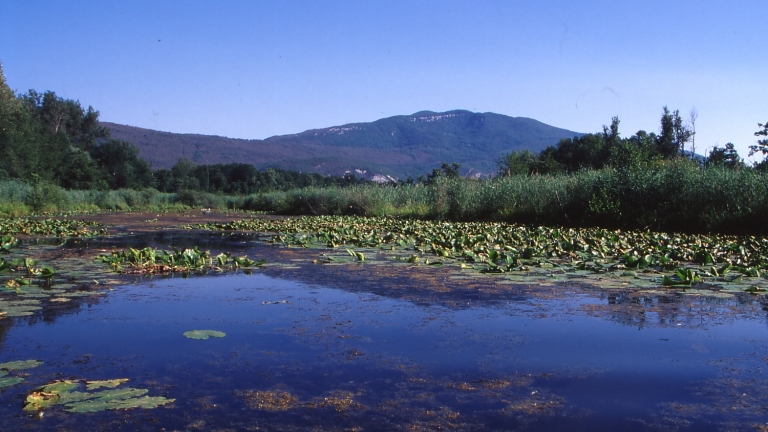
(52, 141)
(399, 146)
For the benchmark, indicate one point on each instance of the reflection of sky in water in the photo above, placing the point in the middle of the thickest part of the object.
(326, 339)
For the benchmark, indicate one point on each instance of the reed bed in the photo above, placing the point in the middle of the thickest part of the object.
(674, 196)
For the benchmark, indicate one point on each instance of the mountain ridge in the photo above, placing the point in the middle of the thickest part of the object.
(398, 146)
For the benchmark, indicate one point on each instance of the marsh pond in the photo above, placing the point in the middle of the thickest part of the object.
(191, 322)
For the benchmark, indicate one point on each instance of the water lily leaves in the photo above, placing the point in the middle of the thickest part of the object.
(7, 367)
(59, 387)
(20, 365)
(19, 308)
(89, 406)
(62, 393)
(357, 255)
(94, 385)
(7, 243)
(152, 261)
(203, 334)
(9, 381)
(592, 254)
(56, 227)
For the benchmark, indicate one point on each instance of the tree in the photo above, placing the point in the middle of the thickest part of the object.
(673, 136)
(726, 157)
(7, 97)
(611, 134)
(450, 171)
(665, 142)
(633, 152)
(682, 133)
(516, 163)
(59, 115)
(183, 175)
(762, 145)
(122, 166)
(78, 170)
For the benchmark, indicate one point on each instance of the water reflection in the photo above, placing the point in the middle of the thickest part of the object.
(386, 347)
(301, 355)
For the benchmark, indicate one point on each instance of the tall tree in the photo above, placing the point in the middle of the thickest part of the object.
(682, 132)
(7, 97)
(67, 116)
(665, 142)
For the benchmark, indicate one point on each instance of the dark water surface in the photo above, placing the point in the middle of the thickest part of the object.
(359, 348)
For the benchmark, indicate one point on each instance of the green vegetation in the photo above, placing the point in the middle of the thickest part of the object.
(646, 181)
(6, 368)
(732, 263)
(667, 196)
(65, 393)
(497, 243)
(52, 227)
(203, 334)
(607, 149)
(149, 260)
(240, 179)
(54, 156)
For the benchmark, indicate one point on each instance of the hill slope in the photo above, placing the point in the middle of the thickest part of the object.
(398, 146)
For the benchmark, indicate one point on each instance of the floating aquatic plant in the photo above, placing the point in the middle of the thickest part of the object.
(150, 260)
(7, 243)
(491, 247)
(55, 227)
(203, 334)
(6, 368)
(19, 308)
(65, 393)
(30, 270)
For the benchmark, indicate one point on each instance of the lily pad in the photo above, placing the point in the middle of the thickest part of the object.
(93, 385)
(203, 334)
(61, 393)
(146, 402)
(20, 365)
(9, 381)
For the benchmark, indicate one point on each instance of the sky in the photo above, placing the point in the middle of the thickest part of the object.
(254, 69)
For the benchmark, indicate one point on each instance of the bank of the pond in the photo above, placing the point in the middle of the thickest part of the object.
(672, 196)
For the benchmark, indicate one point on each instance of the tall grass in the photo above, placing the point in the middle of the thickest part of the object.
(671, 196)
(20, 199)
(675, 196)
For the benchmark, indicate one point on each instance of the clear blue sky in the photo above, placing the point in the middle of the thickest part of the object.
(253, 69)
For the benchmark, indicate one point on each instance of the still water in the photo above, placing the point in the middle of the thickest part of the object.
(307, 353)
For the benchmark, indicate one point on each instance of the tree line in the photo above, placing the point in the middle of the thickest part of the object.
(46, 138)
(241, 179)
(608, 149)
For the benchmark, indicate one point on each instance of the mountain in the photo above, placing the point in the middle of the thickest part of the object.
(398, 146)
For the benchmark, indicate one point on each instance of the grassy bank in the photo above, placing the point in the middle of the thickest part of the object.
(20, 199)
(674, 196)
(670, 197)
